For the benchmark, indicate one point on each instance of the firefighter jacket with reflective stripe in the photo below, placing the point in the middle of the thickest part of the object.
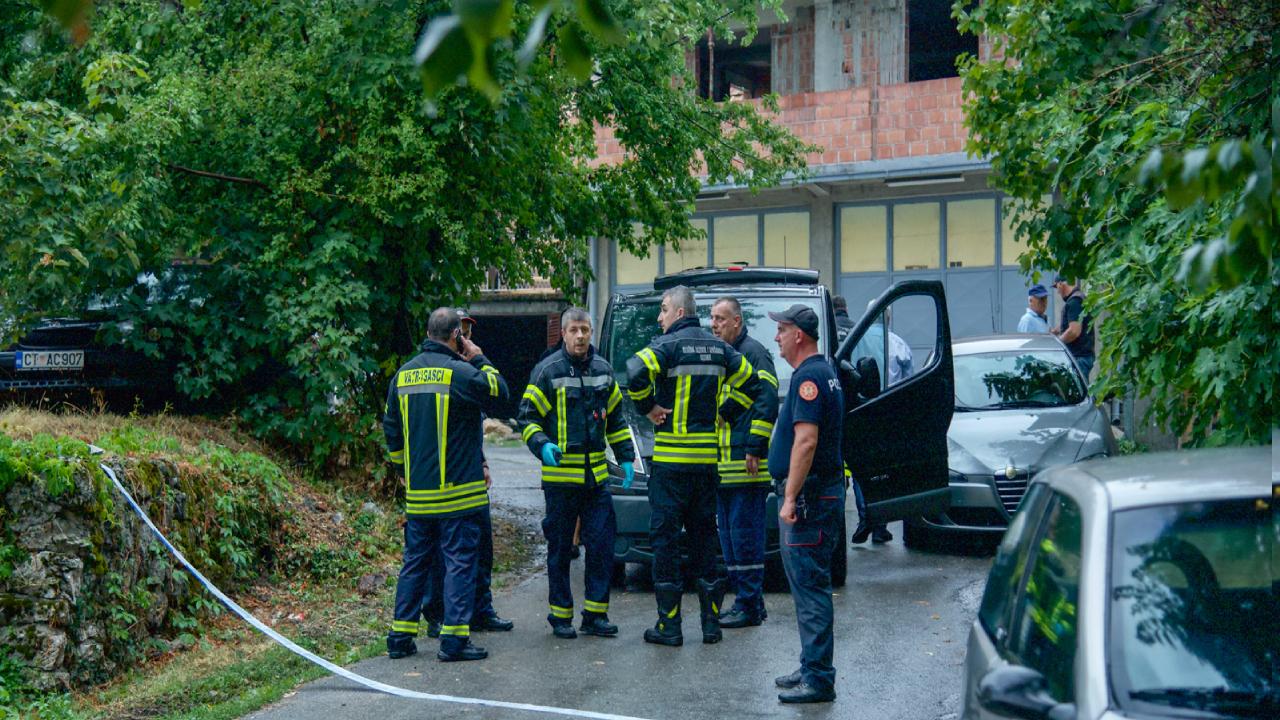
(684, 370)
(577, 405)
(433, 426)
(750, 432)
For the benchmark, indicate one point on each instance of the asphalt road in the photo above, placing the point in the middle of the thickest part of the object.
(901, 625)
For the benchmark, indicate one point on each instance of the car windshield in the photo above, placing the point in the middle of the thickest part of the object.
(1195, 609)
(635, 324)
(992, 381)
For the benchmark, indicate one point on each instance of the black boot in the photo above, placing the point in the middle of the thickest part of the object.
(457, 649)
(400, 646)
(710, 596)
(597, 624)
(861, 534)
(667, 630)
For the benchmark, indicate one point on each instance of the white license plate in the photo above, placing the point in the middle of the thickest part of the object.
(49, 360)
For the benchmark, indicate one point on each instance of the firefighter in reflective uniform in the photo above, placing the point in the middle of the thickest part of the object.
(744, 473)
(484, 616)
(432, 425)
(676, 381)
(570, 410)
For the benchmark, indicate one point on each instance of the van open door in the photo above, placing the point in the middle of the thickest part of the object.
(899, 389)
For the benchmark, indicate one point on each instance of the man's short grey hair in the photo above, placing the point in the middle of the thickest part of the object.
(442, 323)
(574, 314)
(734, 306)
(682, 297)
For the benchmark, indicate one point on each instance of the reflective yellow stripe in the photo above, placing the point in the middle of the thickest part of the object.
(768, 377)
(744, 372)
(562, 416)
(404, 626)
(494, 390)
(763, 428)
(467, 503)
(404, 425)
(561, 612)
(535, 395)
(442, 437)
(397, 457)
(734, 472)
(740, 398)
(456, 630)
(650, 360)
(641, 394)
(615, 397)
(595, 607)
(574, 474)
(488, 368)
(618, 436)
(530, 430)
(445, 493)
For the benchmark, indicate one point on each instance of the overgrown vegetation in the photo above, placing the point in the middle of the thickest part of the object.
(280, 155)
(290, 550)
(1153, 125)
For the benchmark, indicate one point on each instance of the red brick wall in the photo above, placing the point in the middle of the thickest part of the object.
(912, 119)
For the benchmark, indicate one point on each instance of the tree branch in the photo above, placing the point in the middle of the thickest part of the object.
(218, 176)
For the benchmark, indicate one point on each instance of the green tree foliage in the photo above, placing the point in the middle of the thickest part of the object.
(1150, 123)
(281, 153)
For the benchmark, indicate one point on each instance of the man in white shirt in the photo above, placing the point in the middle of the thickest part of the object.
(1035, 320)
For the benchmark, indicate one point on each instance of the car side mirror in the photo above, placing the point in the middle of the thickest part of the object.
(864, 380)
(1019, 692)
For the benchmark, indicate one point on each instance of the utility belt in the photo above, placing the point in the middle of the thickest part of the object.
(815, 486)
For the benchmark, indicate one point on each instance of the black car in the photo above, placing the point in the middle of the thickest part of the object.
(97, 348)
(899, 462)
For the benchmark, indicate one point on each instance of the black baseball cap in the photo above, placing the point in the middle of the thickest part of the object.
(802, 316)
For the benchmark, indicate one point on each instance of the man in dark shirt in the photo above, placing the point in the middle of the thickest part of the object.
(1076, 329)
(806, 464)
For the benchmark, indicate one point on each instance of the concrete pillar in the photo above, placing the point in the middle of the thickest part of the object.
(822, 240)
(828, 48)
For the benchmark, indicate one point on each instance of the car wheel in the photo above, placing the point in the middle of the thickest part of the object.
(917, 536)
(840, 559)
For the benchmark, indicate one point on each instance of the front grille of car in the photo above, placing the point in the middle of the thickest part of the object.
(1011, 490)
(72, 336)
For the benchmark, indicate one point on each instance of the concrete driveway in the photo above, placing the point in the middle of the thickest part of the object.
(901, 626)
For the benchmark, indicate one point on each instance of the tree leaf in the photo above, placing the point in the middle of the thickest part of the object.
(443, 55)
(596, 18)
(574, 51)
(533, 39)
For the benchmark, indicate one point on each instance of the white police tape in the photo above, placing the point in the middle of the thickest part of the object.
(312, 657)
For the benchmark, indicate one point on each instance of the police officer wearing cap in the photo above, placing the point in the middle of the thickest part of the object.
(808, 470)
(571, 409)
(433, 427)
(677, 381)
(744, 473)
(1034, 320)
(485, 617)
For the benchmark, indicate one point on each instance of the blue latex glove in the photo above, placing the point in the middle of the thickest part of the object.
(629, 469)
(551, 454)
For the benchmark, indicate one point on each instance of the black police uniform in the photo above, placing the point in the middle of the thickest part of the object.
(576, 404)
(684, 370)
(432, 425)
(741, 499)
(1082, 347)
(807, 545)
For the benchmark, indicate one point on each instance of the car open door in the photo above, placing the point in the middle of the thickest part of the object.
(895, 366)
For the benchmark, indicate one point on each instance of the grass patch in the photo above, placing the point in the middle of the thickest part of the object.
(331, 591)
